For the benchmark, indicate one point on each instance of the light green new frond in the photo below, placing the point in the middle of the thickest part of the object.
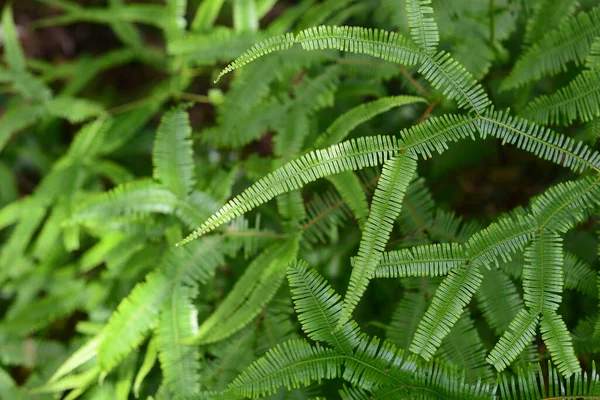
(73, 109)
(538, 140)
(454, 81)
(386, 205)
(435, 133)
(518, 335)
(349, 187)
(17, 118)
(567, 204)
(173, 155)
(571, 41)
(244, 16)
(543, 273)
(293, 364)
(423, 29)
(206, 14)
(560, 345)
(251, 292)
(546, 16)
(346, 156)
(12, 47)
(179, 362)
(429, 260)
(533, 382)
(84, 354)
(146, 367)
(579, 275)
(498, 300)
(579, 100)
(318, 308)
(269, 45)
(499, 240)
(346, 122)
(451, 297)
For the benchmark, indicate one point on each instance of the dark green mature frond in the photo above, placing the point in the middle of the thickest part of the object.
(579, 275)
(318, 307)
(346, 156)
(578, 101)
(429, 260)
(532, 382)
(543, 273)
(451, 297)
(518, 335)
(538, 140)
(180, 363)
(423, 29)
(571, 41)
(346, 122)
(435, 133)
(386, 205)
(350, 188)
(593, 59)
(173, 155)
(560, 345)
(498, 300)
(567, 204)
(294, 364)
(418, 210)
(546, 16)
(500, 240)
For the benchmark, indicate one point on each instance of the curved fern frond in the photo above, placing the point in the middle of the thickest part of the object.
(349, 187)
(579, 100)
(386, 205)
(293, 364)
(346, 122)
(518, 335)
(146, 367)
(531, 382)
(318, 308)
(430, 260)
(346, 156)
(543, 273)
(540, 141)
(180, 363)
(424, 30)
(560, 345)
(173, 155)
(451, 297)
(571, 41)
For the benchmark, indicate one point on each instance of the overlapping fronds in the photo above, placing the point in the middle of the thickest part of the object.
(547, 14)
(429, 260)
(543, 273)
(542, 142)
(560, 345)
(533, 383)
(579, 275)
(498, 300)
(571, 41)
(518, 335)
(451, 297)
(346, 122)
(348, 155)
(386, 205)
(423, 29)
(350, 188)
(173, 154)
(579, 100)
(418, 210)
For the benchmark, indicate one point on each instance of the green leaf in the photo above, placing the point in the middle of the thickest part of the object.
(12, 47)
(206, 14)
(386, 205)
(429, 260)
(146, 367)
(423, 28)
(560, 345)
(349, 187)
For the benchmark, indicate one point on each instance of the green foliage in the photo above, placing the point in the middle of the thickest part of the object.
(490, 243)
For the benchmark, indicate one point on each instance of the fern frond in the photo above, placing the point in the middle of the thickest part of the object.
(325, 214)
(318, 308)
(540, 141)
(17, 118)
(531, 382)
(454, 293)
(293, 364)
(579, 100)
(543, 273)
(146, 367)
(385, 208)
(429, 260)
(560, 345)
(179, 362)
(567, 204)
(15, 57)
(498, 300)
(579, 275)
(82, 355)
(423, 29)
(499, 240)
(593, 60)
(173, 155)
(547, 14)
(346, 122)
(418, 210)
(571, 41)
(518, 335)
(346, 156)
(349, 187)
(206, 14)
